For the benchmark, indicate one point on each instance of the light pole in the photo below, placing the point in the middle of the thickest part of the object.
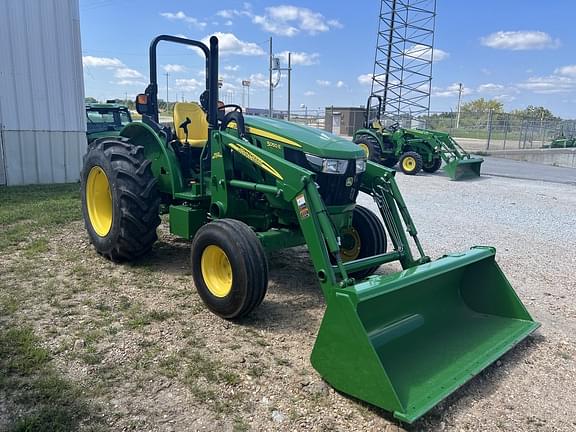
(459, 100)
(246, 86)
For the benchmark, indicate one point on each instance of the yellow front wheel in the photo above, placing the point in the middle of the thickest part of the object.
(366, 237)
(229, 268)
(216, 271)
(411, 163)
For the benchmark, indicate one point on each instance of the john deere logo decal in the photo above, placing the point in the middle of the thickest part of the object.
(349, 181)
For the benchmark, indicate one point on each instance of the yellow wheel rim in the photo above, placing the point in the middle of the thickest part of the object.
(351, 244)
(365, 148)
(216, 271)
(99, 201)
(409, 163)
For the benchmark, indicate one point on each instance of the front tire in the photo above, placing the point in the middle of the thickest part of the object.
(120, 199)
(411, 163)
(433, 166)
(229, 268)
(366, 237)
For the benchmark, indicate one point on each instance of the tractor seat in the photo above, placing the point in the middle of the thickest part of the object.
(197, 125)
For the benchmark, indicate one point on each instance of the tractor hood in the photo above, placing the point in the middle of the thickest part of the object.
(310, 140)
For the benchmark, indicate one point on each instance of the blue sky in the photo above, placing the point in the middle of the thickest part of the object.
(520, 52)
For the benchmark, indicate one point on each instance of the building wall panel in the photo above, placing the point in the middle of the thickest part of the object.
(41, 91)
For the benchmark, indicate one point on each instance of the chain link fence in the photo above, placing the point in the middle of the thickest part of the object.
(500, 131)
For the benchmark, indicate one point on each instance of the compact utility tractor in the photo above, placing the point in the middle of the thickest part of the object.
(239, 186)
(413, 149)
(105, 119)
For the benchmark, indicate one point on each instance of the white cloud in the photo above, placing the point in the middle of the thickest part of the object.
(228, 13)
(309, 93)
(228, 23)
(257, 80)
(549, 84)
(365, 79)
(567, 70)
(189, 84)
(299, 58)
(130, 82)
(101, 61)
(323, 83)
(229, 44)
(231, 68)
(450, 91)
(340, 84)
(489, 88)
(520, 40)
(126, 73)
(424, 52)
(172, 68)
(181, 16)
(287, 20)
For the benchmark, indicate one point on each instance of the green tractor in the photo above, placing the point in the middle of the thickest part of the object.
(413, 149)
(105, 119)
(239, 187)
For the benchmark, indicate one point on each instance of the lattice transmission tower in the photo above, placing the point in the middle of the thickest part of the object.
(404, 54)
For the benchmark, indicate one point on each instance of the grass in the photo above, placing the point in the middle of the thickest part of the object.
(47, 401)
(29, 210)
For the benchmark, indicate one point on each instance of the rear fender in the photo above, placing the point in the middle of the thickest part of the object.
(369, 132)
(164, 163)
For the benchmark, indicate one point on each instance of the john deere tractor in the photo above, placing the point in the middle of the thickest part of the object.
(413, 150)
(238, 187)
(105, 119)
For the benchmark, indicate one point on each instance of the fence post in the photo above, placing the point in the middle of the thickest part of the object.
(542, 130)
(489, 129)
(506, 125)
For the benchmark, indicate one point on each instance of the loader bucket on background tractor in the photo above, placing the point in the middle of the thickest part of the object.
(461, 169)
(405, 341)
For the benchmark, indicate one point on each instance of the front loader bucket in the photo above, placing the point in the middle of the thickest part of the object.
(405, 341)
(461, 169)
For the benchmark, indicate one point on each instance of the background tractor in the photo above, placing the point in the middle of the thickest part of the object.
(240, 186)
(413, 149)
(105, 119)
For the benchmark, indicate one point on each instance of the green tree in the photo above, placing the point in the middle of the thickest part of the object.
(90, 99)
(535, 112)
(482, 105)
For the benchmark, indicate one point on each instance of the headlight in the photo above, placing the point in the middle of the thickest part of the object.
(360, 165)
(328, 166)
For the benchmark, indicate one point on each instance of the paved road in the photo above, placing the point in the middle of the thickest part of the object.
(500, 167)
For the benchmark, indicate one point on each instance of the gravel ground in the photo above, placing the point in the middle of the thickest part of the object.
(149, 355)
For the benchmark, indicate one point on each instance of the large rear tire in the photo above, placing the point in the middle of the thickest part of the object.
(120, 199)
(229, 268)
(433, 166)
(366, 237)
(370, 146)
(411, 163)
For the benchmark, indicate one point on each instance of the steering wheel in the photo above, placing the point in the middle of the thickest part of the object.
(394, 127)
(237, 108)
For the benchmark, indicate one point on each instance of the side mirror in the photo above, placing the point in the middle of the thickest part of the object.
(142, 106)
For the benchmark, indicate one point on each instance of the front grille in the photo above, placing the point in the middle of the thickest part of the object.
(332, 187)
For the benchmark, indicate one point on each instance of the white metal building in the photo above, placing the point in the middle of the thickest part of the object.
(42, 118)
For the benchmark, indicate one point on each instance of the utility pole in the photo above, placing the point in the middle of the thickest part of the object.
(166, 91)
(459, 100)
(289, 74)
(271, 89)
